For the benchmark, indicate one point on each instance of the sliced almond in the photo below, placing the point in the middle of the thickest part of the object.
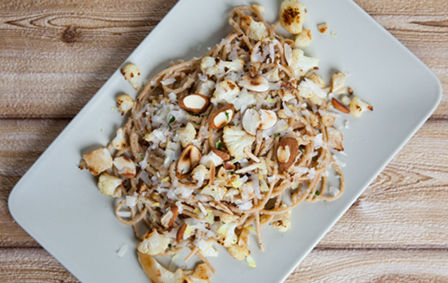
(339, 106)
(221, 117)
(210, 159)
(195, 103)
(251, 121)
(287, 152)
(256, 83)
(181, 232)
(283, 154)
(189, 158)
(223, 155)
(168, 218)
(229, 165)
(268, 119)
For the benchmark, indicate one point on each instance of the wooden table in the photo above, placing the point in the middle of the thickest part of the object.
(54, 56)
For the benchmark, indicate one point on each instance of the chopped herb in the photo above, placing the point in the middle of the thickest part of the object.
(219, 145)
(276, 135)
(197, 123)
(252, 105)
(141, 156)
(172, 120)
(317, 193)
(169, 245)
(152, 87)
(301, 149)
(227, 115)
(232, 172)
(271, 38)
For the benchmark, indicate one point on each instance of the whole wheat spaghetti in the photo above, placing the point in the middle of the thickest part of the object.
(219, 146)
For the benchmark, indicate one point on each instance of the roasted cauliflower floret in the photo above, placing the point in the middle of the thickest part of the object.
(131, 73)
(237, 140)
(109, 185)
(153, 243)
(226, 92)
(98, 161)
(303, 39)
(119, 142)
(338, 83)
(216, 191)
(301, 64)
(238, 252)
(125, 166)
(283, 222)
(186, 134)
(257, 30)
(125, 103)
(358, 107)
(292, 15)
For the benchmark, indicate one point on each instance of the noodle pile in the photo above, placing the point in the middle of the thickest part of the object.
(196, 179)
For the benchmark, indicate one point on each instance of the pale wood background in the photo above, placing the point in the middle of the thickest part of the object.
(54, 55)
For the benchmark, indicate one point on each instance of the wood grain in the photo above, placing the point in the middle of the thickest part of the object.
(75, 48)
(56, 54)
(348, 265)
(333, 265)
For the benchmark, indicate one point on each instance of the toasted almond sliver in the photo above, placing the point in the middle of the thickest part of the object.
(221, 117)
(189, 158)
(339, 106)
(251, 121)
(287, 152)
(223, 155)
(181, 232)
(175, 211)
(196, 103)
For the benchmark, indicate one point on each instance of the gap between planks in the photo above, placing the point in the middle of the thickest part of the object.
(433, 118)
(316, 248)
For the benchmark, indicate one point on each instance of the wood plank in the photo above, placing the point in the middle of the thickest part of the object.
(31, 265)
(21, 143)
(333, 265)
(404, 207)
(56, 57)
(346, 265)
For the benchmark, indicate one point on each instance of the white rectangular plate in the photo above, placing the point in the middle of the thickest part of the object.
(60, 206)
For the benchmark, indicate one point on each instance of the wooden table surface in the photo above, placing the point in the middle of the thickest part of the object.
(54, 55)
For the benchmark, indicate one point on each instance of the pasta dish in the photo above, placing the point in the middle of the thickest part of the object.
(217, 147)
